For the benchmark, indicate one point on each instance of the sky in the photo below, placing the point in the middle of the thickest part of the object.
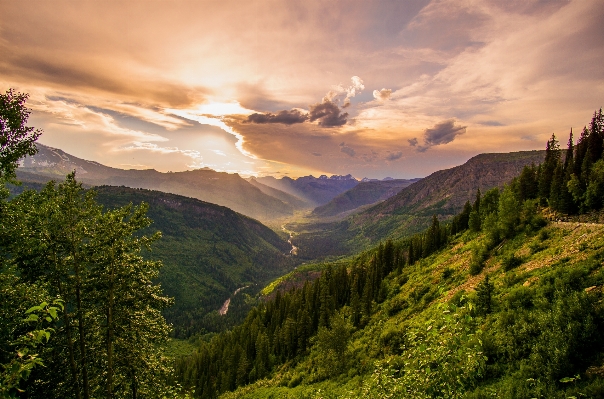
(292, 88)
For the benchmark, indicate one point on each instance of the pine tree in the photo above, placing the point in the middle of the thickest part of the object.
(552, 158)
(484, 296)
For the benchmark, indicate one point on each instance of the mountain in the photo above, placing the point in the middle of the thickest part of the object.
(365, 193)
(295, 202)
(208, 252)
(220, 188)
(443, 193)
(315, 190)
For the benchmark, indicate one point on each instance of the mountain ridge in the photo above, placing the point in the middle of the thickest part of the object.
(221, 188)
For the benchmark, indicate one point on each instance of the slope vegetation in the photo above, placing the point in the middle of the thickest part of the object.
(525, 323)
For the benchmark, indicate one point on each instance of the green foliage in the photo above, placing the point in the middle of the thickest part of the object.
(442, 359)
(510, 262)
(484, 296)
(24, 359)
(331, 347)
(16, 138)
(480, 254)
(111, 332)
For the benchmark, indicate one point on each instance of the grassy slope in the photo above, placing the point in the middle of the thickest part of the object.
(416, 299)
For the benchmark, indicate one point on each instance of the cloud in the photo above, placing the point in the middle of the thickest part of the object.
(338, 91)
(413, 142)
(285, 117)
(393, 156)
(382, 95)
(443, 133)
(491, 123)
(316, 154)
(347, 150)
(327, 113)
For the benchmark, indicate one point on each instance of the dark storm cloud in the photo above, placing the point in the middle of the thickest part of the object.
(285, 117)
(327, 113)
(393, 156)
(443, 133)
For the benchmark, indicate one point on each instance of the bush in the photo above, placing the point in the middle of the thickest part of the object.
(448, 272)
(479, 256)
(510, 262)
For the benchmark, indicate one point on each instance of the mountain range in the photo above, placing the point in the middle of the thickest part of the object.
(443, 193)
(264, 198)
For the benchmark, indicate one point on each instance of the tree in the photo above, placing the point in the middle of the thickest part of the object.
(552, 158)
(509, 212)
(16, 138)
(110, 338)
(484, 294)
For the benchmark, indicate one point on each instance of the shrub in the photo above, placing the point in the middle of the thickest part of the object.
(510, 262)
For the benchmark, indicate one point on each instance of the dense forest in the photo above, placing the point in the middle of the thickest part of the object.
(503, 300)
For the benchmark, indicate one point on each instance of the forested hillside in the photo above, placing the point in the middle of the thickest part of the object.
(208, 251)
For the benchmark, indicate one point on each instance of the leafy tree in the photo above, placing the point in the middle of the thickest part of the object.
(595, 189)
(111, 333)
(16, 138)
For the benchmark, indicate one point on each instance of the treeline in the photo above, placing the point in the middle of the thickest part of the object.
(573, 183)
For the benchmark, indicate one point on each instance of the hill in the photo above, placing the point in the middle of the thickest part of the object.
(365, 193)
(442, 193)
(220, 188)
(526, 324)
(208, 251)
(314, 190)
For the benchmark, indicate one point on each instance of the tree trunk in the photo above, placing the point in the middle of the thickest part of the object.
(72, 362)
(110, 332)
